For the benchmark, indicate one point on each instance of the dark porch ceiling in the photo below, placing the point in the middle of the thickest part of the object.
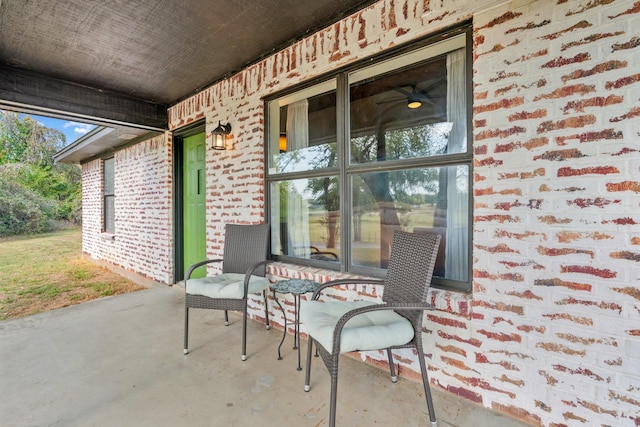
(123, 62)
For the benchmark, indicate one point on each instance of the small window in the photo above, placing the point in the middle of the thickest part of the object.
(109, 197)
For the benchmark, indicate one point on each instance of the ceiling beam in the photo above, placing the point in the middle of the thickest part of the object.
(44, 95)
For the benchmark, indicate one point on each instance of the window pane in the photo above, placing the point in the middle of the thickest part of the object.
(415, 200)
(404, 115)
(305, 218)
(306, 134)
(109, 199)
(109, 176)
(109, 214)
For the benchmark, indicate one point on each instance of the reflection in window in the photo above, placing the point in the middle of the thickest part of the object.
(395, 132)
(404, 115)
(306, 212)
(415, 200)
(307, 134)
(416, 113)
(418, 141)
(307, 158)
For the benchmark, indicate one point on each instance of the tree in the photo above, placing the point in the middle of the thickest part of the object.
(325, 190)
(390, 188)
(36, 191)
(27, 141)
(382, 190)
(14, 136)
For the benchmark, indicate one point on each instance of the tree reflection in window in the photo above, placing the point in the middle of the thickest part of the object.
(407, 163)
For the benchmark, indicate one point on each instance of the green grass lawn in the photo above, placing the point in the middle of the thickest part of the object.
(47, 271)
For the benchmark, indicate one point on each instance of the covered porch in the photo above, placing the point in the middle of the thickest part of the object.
(546, 328)
(119, 361)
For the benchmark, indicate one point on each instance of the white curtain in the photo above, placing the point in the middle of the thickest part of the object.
(457, 239)
(298, 240)
(276, 220)
(298, 125)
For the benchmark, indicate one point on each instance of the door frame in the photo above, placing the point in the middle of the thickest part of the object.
(178, 192)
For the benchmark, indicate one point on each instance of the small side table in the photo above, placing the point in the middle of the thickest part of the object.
(295, 287)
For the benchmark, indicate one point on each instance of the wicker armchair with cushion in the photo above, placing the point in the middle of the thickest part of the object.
(244, 262)
(343, 326)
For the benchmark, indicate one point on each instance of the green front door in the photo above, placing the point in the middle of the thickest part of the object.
(194, 229)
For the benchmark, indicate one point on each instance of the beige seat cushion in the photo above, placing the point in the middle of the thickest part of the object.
(368, 331)
(227, 285)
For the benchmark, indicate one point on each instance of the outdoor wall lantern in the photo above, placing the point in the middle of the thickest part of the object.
(219, 135)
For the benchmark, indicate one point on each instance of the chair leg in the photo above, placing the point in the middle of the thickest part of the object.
(244, 332)
(266, 309)
(307, 375)
(226, 318)
(334, 389)
(392, 367)
(186, 330)
(427, 388)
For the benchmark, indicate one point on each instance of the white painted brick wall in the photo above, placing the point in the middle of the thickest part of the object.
(143, 239)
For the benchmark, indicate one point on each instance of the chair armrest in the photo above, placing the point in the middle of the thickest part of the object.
(337, 332)
(339, 282)
(192, 267)
(249, 273)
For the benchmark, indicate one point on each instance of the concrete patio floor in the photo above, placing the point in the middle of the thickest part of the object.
(118, 361)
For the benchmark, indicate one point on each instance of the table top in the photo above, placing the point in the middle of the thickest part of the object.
(295, 286)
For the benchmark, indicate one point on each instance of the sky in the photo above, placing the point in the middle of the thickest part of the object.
(72, 130)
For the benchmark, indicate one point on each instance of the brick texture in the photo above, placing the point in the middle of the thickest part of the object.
(585, 197)
(551, 332)
(143, 238)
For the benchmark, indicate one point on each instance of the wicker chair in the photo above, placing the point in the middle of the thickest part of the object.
(343, 326)
(243, 272)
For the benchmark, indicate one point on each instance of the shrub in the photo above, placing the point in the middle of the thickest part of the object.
(35, 192)
(55, 189)
(23, 211)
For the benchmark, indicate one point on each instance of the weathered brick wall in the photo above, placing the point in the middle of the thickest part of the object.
(551, 332)
(92, 186)
(557, 213)
(143, 238)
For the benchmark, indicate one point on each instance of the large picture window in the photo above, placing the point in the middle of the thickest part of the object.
(375, 149)
(109, 197)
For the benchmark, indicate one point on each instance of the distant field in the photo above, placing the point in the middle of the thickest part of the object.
(421, 216)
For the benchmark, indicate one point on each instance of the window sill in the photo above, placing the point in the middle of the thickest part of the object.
(108, 236)
(458, 303)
